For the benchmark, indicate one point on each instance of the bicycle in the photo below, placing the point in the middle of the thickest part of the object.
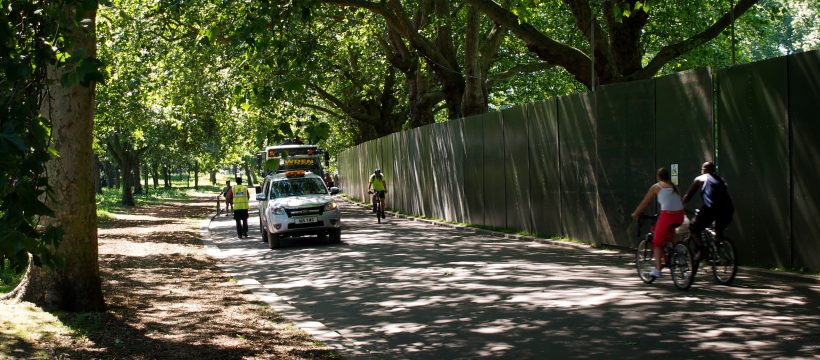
(377, 202)
(677, 258)
(720, 254)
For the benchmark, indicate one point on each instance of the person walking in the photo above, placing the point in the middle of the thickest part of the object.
(227, 192)
(241, 196)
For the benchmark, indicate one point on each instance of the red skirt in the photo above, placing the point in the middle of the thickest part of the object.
(665, 227)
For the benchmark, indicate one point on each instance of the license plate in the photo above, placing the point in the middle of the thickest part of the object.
(306, 220)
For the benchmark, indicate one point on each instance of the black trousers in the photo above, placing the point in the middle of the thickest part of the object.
(241, 217)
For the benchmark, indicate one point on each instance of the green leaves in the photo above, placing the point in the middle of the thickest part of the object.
(317, 131)
(32, 34)
(628, 10)
(83, 70)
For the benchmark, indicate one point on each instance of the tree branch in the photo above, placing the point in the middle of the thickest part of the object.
(518, 70)
(545, 47)
(670, 52)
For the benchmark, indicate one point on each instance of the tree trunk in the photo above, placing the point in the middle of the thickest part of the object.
(247, 174)
(196, 175)
(155, 175)
(137, 178)
(475, 101)
(126, 158)
(213, 177)
(166, 176)
(421, 105)
(127, 183)
(76, 286)
(449, 73)
(145, 176)
(108, 169)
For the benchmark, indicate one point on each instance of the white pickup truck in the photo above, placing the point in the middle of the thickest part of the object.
(296, 203)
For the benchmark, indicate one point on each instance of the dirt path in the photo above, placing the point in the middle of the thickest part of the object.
(168, 300)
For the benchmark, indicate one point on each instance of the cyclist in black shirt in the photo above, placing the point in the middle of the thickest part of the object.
(716, 204)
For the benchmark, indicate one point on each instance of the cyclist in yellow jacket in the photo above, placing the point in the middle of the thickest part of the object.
(379, 187)
(241, 196)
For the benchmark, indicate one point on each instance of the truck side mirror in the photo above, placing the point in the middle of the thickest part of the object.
(334, 190)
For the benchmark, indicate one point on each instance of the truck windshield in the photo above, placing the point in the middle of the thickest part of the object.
(297, 187)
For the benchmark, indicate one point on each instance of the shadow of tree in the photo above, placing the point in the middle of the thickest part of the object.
(417, 291)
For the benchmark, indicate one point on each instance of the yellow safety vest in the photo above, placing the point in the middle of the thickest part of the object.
(240, 197)
(378, 182)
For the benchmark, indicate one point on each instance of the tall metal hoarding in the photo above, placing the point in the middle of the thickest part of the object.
(545, 177)
(804, 94)
(625, 135)
(448, 150)
(401, 183)
(753, 155)
(473, 128)
(517, 173)
(415, 173)
(579, 186)
(388, 168)
(495, 196)
(429, 198)
(684, 126)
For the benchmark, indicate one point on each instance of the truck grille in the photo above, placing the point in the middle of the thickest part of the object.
(308, 225)
(305, 211)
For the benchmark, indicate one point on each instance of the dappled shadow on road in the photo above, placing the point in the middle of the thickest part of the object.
(413, 290)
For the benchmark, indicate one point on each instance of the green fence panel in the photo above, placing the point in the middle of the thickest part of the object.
(448, 172)
(545, 179)
(495, 197)
(361, 170)
(517, 171)
(683, 123)
(439, 168)
(579, 195)
(626, 145)
(753, 155)
(400, 188)
(365, 168)
(804, 93)
(429, 197)
(474, 169)
(347, 177)
(388, 168)
(414, 175)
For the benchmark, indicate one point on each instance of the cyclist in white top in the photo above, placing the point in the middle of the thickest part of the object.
(671, 215)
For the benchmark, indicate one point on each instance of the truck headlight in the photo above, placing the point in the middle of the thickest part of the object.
(278, 211)
(331, 206)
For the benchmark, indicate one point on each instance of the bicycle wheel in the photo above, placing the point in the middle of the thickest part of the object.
(724, 262)
(379, 212)
(644, 259)
(682, 267)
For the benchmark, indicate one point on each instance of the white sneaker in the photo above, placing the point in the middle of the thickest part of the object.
(655, 273)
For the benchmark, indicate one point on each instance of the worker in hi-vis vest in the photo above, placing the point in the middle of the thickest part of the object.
(240, 207)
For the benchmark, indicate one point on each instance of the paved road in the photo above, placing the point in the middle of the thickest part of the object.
(411, 290)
